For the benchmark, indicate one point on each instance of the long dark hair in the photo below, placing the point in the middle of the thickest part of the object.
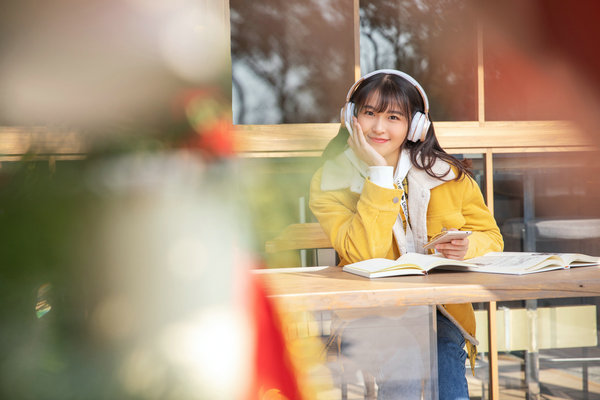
(393, 90)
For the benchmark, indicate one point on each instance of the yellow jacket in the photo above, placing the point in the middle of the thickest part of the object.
(358, 217)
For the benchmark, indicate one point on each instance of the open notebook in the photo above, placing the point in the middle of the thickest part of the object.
(515, 263)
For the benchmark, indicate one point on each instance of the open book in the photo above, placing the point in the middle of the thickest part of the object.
(407, 264)
(514, 263)
(518, 263)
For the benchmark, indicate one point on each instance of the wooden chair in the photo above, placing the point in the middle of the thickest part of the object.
(303, 237)
(299, 237)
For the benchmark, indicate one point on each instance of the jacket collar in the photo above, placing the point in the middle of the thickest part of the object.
(440, 167)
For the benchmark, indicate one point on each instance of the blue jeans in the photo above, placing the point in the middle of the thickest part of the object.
(452, 382)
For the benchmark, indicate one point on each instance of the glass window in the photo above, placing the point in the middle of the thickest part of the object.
(547, 346)
(548, 202)
(434, 41)
(519, 88)
(476, 164)
(292, 62)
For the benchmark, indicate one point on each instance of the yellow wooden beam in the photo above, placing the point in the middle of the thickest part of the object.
(515, 136)
(295, 140)
(494, 387)
(489, 179)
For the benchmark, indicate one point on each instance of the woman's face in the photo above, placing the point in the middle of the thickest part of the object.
(385, 131)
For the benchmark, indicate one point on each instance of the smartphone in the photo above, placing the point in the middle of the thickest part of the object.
(445, 237)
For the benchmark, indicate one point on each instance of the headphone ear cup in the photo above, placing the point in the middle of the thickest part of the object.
(348, 111)
(426, 125)
(414, 126)
(418, 127)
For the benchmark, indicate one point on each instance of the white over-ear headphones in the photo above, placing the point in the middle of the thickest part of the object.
(420, 120)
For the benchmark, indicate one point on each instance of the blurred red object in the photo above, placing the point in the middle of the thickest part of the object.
(548, 51)
(208, 114)
(215, 141)
(274, 375)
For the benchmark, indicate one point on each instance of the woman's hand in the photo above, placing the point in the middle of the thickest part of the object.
(363, 150)
(455, 249)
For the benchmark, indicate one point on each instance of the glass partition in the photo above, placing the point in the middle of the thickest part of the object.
(476, 164)
(546, 349)
(548, 202)
(434, 41)
(292, 62)
(544, 202)
(520, 88)
(360, 353)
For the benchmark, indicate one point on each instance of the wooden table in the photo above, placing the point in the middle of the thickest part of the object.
(329, 288)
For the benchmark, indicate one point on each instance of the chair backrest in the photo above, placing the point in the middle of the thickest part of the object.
(299, 236)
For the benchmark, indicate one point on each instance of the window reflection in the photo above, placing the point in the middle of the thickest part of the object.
(292, 61)
(548, 203)
(475, 164)
(432, 40)
(521, 88)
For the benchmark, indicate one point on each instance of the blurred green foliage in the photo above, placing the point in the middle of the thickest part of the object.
(274, 189)
(103, 299)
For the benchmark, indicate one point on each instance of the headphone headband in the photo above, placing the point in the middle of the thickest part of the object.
(392, 72)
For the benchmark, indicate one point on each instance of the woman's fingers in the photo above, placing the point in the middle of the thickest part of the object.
(453, 254)
(454, 244)
(353, 142)
(455, 249)
(356, 131)
(362, 148)
(360, 136)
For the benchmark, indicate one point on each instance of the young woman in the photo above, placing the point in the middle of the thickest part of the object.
(387, 186)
